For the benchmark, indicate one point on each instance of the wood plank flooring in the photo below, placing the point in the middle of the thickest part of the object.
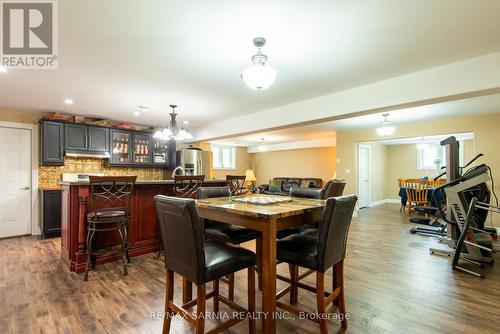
(392, 283)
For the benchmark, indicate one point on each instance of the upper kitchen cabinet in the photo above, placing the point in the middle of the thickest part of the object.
(82, 140)
(52, 143)
(121, 152)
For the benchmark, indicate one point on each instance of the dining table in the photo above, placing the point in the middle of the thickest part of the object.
(268, 218)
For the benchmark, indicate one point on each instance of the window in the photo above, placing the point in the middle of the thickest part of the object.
(224, 157)
(430, 157)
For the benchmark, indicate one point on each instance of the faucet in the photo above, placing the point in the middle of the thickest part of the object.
(178, 168)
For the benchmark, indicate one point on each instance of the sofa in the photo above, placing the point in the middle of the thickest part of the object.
(332, 188)
(282, 185)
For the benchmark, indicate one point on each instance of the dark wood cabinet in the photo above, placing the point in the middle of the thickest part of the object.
(76, 137)
(52, 143)
(98, 139)
(51, 213)
(83, 138)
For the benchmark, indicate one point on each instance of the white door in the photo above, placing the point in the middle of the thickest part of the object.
(15, 182)
(364, 176)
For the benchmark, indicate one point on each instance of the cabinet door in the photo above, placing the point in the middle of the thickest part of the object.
(51, 213)
(142, 149)
(121, 151)
(52, 143)
(76, 137)
(98, 139)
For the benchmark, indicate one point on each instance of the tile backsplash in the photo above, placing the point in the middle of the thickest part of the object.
(50, 176)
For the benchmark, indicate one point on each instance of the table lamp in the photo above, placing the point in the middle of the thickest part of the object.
(250, 179)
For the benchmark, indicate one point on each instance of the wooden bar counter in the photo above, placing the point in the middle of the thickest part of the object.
(143, 234)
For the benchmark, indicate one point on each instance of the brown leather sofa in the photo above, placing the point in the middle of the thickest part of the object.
(285, 183)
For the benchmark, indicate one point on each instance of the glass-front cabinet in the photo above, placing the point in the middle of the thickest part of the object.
(121, 150)
(160, 152)
(142, 151)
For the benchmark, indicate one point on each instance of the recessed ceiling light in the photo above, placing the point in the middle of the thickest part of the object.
(137, 113)
(3, 69)
(68, 101)
(186, 122)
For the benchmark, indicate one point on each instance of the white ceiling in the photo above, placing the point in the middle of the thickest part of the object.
(118, 54)
(426, 139)
(473, 106)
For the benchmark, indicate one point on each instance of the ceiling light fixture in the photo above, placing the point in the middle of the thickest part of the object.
(263, 147)
(259, 76)
(172, 130)
(185, 122)
(68, 102)
(137, 113)
(386, 128)
(3, 69)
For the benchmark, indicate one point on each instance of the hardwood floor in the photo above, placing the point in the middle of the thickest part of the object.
(392, 285)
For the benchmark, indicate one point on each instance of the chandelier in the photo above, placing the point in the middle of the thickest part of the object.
(172, 130)
(385, 129)
(259, 76)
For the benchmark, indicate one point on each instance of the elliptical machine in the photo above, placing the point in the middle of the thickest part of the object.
(468, 205)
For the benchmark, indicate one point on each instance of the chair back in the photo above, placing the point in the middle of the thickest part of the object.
(333, 230)
(211, 192)
(236, 184)
(181, 234)
(111, 192)
(417, 191)
(186, 186)
(438, 182)
(401, 182)
(334, 188)
(307, 192)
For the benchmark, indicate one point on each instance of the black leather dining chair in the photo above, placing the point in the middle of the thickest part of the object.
(199, 261)
(225, 232)
(318, 254)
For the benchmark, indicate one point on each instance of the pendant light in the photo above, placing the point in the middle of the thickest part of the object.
(385, 129)
(259, 76)
(172, 130)
(263, 146)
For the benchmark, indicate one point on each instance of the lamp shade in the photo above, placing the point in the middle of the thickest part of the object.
(259, 76)
(250, 176)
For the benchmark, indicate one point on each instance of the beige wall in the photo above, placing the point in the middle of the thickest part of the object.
(310, 162)
(29, 117)
(486, 137)
(402, 162)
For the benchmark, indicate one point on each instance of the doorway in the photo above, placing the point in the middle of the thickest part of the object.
(15, 182)
(363, 176)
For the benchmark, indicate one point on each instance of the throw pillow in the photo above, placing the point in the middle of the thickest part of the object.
(304, 184)
(274, 188)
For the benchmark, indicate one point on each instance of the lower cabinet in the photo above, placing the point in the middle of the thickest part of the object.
(50, 204)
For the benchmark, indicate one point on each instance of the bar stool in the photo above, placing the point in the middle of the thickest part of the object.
(199, 261)
(226, 232)
(318, 254)
(186, 186)
(236, 184)
(110, 198)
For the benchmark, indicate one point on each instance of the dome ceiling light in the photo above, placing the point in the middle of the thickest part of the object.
(386, 128)
(259, 76)
(172, 130)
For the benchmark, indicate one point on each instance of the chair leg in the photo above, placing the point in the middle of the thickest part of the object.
(124, 256)
(258, 253)
(251, 299)
(320, 301)
(90, 237)
(334, 284)
(169, 297)
(294, 292)
(230, 278)
(339, 273)
(200, 308)
(216, 296)
(125, 232)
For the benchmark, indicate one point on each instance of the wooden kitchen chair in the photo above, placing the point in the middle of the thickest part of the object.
(417, 192)
(236, 184)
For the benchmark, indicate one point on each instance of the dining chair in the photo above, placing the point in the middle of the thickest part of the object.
(417, 192)
(110, 198)
(236, 184)
(401, 184)
(318, 254)
(186, 186)
(189, 255)
(233, 234)
(333, 188)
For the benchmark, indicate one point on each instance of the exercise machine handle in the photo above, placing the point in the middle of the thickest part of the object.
(473, 159)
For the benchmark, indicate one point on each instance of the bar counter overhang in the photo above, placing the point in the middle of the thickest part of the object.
(143, 233)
